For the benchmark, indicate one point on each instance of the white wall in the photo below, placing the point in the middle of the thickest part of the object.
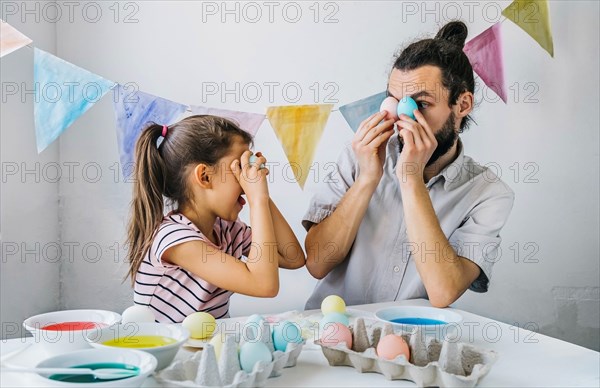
(29, 204)
(171, 51)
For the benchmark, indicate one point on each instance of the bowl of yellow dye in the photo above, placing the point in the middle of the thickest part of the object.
(159, 339)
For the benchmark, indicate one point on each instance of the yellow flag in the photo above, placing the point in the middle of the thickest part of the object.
(299, 129)
(533, 17)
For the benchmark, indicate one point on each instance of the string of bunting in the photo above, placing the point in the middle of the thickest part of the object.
(297, 127)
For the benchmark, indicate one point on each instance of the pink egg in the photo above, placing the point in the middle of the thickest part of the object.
(335, 333)
(390, 105)
(392, 346)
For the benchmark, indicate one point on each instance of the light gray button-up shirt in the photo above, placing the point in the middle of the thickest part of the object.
(472, 205)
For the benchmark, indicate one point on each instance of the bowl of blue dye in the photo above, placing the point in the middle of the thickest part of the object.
(141, 362)
(433, 322)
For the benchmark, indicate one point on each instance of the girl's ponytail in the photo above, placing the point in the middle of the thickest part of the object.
(148, 189)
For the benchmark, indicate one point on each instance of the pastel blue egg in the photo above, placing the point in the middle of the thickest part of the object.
(253, 352)
(284, 333)
(406, 106)
(252, 327)
(334, 317)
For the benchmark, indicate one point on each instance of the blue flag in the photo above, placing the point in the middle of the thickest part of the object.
(134, 111)
(355, 112)
(63, 92)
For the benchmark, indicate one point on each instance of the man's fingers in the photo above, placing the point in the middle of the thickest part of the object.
(368, 125)
(378, 130)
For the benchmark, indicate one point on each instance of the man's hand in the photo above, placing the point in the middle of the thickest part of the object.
(419, 145)
(369, 144)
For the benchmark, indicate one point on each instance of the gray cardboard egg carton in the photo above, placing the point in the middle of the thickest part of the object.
(204, 370)
(432, 362)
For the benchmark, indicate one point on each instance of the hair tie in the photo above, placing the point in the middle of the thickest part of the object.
(162, 136)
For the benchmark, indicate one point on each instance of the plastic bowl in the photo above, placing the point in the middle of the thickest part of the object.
(127, 333)
(422, 317)
(57, 341)
(144, 361)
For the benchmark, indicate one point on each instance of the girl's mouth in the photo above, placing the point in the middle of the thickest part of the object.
(241, 200)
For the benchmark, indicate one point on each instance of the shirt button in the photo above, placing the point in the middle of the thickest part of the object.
(396, 269)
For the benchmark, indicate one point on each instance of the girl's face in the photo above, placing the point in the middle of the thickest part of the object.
(226, 194)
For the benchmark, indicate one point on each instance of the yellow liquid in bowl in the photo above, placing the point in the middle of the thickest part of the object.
(140, 341)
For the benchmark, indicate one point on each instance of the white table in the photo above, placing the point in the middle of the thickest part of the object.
(525, 359)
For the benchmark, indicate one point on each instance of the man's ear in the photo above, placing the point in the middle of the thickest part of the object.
(464, 104)
(203, 176)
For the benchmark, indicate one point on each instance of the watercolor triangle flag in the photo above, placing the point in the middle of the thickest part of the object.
(134, 110)
(11, 39)
(355, 112)
(249, 122)
(485, 54)
(63, 92)
(299, 129)
(533, 17)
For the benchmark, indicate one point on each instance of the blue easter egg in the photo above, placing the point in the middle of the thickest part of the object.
(253, 352)
(286, 332)
(252, 327)
(334, 317)
(406, 106)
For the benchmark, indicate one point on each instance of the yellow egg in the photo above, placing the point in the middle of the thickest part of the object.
(201, 325)
(333, 304)
(217, 342)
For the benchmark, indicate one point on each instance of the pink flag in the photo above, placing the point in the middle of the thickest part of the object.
(485, 53)
(249, 122)
(11, 39)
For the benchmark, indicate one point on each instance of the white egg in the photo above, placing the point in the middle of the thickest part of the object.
(137, 314)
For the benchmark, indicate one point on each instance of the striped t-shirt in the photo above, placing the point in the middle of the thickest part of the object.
(172, 292)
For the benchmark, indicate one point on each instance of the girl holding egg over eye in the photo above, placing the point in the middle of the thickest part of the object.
(191, 259)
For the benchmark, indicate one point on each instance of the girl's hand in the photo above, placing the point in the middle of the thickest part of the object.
(252, 177)
(419, 145)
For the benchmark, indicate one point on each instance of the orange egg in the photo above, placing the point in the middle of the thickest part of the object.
(392, 346)
(335, 333)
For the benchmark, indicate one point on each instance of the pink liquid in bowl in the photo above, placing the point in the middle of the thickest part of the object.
(73, 326)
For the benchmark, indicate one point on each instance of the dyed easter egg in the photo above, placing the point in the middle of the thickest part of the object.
(336, 333)
(406, 106)
(252, 327)
(253, 352)
(285, 333)
(392, 346)
(334, 317)
(217, 342)
(389, 105)
(201, 325)
(137, 314)
(333, 304)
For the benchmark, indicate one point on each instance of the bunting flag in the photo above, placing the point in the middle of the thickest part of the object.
(299, 129)
(11, 39)
(134, 111)
(485, 54)
(249, 122)
(533, 17)
(63, 92)
(355, 112)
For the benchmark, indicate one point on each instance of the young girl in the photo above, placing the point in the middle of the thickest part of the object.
(190, 259)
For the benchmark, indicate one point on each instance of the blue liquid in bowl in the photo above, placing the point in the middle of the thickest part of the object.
(67, 378)
(418, 321)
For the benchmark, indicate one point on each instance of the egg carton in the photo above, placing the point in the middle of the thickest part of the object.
(432, 362)
(203, 369)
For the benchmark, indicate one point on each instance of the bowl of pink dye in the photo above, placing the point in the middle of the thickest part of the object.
(61, 331)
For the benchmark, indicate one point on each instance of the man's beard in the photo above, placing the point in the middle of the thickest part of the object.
(445, 139)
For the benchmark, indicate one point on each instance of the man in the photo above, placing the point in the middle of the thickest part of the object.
(420, 223)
